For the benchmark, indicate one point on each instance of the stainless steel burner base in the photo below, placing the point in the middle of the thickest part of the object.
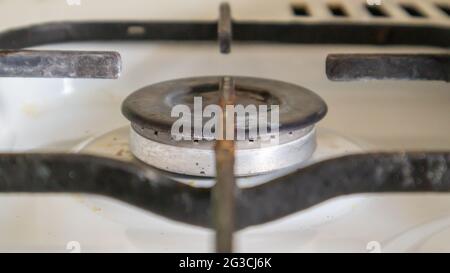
(115, 144)
(201, 162)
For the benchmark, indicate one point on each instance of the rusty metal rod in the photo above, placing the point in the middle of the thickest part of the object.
(60, 64)
(224, 28)
(147, 188)
(223, 194)
(353, 67)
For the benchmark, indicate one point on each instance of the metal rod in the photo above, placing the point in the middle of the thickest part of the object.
(358, 33)
(418, 172)
(353, 67)
(224, 28)
(223, 194)
(60, 64)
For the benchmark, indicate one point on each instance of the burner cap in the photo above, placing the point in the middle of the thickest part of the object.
(149, 110)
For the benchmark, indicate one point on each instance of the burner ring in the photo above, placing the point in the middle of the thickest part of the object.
(150, 107)
(149, 110)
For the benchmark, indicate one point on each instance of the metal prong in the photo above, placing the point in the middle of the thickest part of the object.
(60, 64)
(224, 190)
(225, 31)
(353, 67)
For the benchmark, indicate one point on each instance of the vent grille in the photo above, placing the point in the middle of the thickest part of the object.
(399, 10)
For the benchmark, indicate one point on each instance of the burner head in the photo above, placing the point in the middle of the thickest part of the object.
(149, 110)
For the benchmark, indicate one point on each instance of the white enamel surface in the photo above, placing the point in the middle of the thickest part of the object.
(60, 115)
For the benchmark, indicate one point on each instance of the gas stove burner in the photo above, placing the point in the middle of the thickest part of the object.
(149, 110)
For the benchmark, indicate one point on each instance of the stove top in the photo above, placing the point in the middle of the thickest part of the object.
(383, 78)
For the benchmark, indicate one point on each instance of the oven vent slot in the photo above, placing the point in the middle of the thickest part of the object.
(300, 10)
(412, 10)
(376, 11)
(337, 10)
(444, 8)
